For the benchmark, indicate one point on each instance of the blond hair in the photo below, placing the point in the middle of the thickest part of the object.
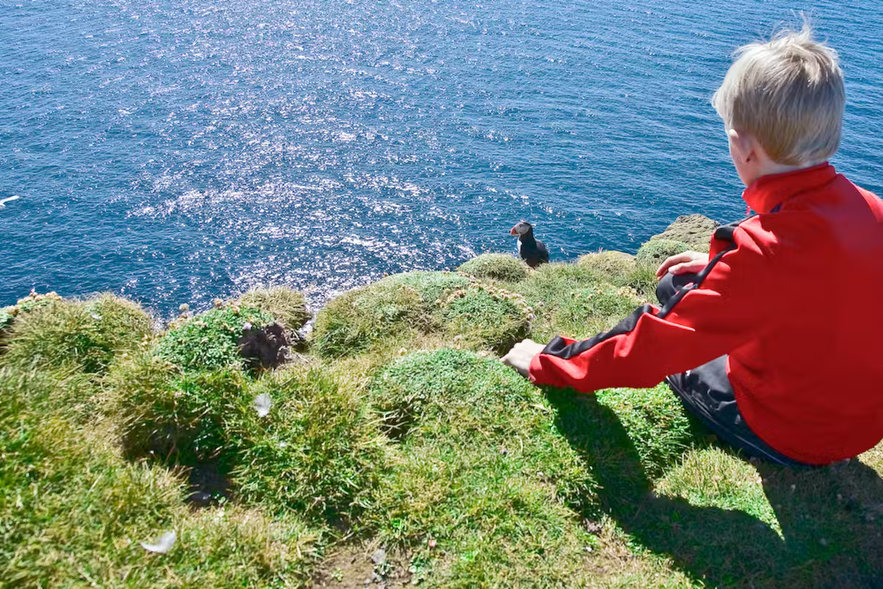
(788, 93)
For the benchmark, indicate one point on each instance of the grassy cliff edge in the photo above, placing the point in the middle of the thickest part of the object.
(392, 448)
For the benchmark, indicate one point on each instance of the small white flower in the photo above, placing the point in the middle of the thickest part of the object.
(246, 326)
(163, 544)
(262, 404)
(96, 316)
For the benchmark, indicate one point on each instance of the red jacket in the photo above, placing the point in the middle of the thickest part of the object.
(792, 296)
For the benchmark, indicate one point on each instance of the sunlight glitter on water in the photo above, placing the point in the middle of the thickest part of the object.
(181, 150)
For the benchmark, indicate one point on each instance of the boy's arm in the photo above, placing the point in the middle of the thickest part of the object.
(738, 297)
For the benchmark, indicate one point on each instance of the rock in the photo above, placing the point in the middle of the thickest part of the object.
(694, 230)
(264, 347)
(200, 498)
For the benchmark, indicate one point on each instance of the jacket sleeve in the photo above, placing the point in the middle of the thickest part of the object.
(735, 298)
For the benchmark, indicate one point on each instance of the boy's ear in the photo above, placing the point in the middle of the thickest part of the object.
(742, 145)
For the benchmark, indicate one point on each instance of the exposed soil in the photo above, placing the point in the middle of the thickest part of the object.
(208, 483)
(366, 565)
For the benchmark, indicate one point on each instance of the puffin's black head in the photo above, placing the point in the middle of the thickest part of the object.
(523, 228)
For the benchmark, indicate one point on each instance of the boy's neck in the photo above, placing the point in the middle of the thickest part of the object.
(770, 168)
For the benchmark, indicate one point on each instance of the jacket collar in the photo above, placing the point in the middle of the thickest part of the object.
(768, 192)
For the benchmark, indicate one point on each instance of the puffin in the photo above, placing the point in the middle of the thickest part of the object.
(530, 249)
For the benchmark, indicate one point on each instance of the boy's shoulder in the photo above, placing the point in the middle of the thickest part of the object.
(838, 218)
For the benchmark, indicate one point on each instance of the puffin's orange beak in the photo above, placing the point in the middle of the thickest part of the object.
(513, 232)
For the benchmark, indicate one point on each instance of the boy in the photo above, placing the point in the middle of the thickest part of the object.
(775, 338)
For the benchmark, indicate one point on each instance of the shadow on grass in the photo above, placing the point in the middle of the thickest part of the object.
(829, 517)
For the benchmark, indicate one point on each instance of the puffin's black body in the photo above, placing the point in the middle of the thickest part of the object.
(531, 250)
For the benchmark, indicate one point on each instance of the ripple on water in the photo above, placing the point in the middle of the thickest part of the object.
(179, 151)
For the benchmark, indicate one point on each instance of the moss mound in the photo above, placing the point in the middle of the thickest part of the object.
(480, 470)
(694, 230)
(495, 267)
(568, 299)
(179, 416)
(399, 309)
(431, 286)
(23, 306)
(86, 333)
(285, 305)
(210, 340)
(351, 323)
(653, 253)
(610, 266)
(318, 451)
(485, 317)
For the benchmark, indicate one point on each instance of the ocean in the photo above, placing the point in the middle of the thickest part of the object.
(174, 151)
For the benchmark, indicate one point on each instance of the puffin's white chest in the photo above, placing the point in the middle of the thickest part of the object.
(519, 246)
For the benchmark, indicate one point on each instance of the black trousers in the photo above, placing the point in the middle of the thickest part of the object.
(707, 394)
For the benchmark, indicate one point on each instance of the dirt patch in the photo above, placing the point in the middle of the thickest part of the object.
(208, 484)
(367, 565)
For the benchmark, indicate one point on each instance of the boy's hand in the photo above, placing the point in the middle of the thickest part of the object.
(521, 355)
(683, 263)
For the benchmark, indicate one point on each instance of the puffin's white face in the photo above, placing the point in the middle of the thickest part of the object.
(520, 229)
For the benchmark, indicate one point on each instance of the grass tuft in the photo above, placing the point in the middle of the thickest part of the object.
(86, 333)
(610, 266)
(485, 317)
(653, 253)
(285, 305)
(398, 311)
(210, 340)
(178, 416)
(568, 299)
(73, 513)
(480, 470)
(501, 267)
(319, 451)
(356, 320)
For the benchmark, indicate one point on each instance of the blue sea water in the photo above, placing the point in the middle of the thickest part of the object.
(179, 150)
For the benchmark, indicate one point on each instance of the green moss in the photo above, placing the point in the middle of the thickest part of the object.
(397, 310)
(210, 340)
(495, 267)
(318, 451)
(610, 266)
(285, 305)
(351, 323)
(653, 253)
(87, 333)
(485, 317)
(480, 469)
(568, 299)
(656, 422)
(181, 416)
